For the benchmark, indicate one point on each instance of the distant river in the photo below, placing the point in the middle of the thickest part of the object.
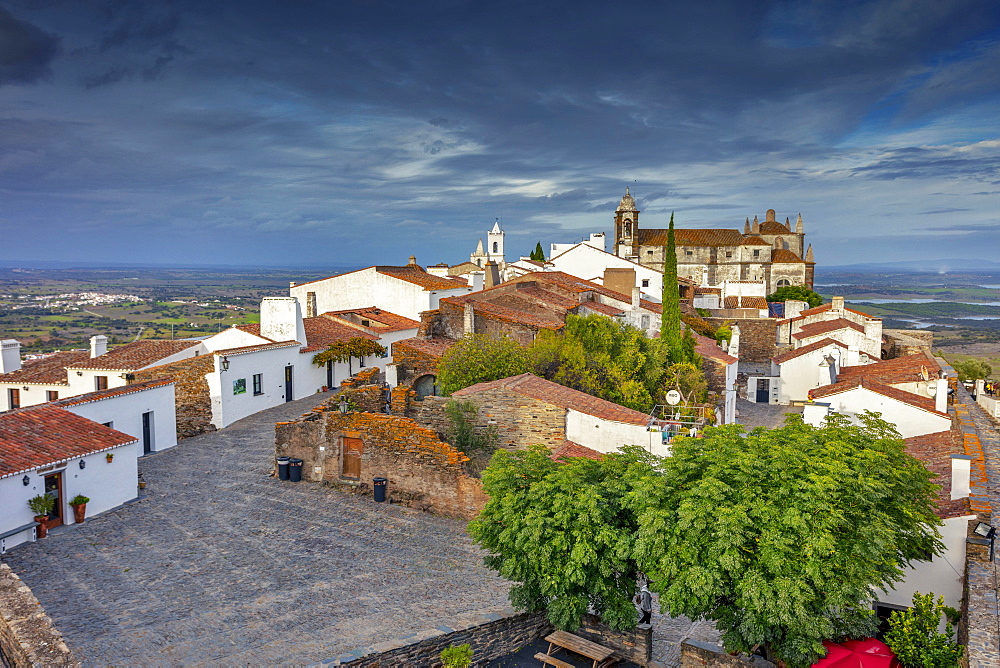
(919, 301)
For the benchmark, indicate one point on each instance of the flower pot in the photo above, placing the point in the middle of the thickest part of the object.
(42, 528)
(110, 457)
(142, 484)
(79, 512)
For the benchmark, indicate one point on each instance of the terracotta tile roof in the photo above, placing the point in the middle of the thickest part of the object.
(42, 435)
(321, 332)
(783, 255)
(571, 449)
(688, 237)
(549, 297)
(271, 345)
(49, 370)
(799, 352)
(498, 312)
(935, 451)
(418, 276)
(100, 395)
(382, 321)
(825, 326)
(899, 370)
(433, 347)
(822, 308)
(925, 403)
(754, 240)
(745, 302)
(604, 309)
(530, 385)
(708, 291)
(463, 268)
(709, 348)
(135, 355)
(773, 227)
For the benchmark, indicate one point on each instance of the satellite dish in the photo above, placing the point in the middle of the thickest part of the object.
(932, 389)
(673, 397)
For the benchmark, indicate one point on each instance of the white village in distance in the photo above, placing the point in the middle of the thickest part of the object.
(80, 422)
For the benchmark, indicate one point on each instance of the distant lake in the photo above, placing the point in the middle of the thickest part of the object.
(919, 301)
(990, 287)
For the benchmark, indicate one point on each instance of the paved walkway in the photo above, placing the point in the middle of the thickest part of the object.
(753, 415)
(220, 563)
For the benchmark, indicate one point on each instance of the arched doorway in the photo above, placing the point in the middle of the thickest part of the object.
(425, 386)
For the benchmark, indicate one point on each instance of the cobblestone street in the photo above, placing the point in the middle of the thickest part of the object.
(750, 414)
(219, 563)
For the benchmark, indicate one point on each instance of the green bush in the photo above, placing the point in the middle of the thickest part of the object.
(41, 504)
(457, 656)
(913, 634)
(79, 500)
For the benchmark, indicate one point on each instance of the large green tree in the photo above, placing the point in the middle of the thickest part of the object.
(783, 537)
(599, 356)
(538, 254)
(972, 369)
(477, 358)
(797, 292)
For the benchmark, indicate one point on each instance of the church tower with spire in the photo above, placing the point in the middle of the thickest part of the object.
(494, 243)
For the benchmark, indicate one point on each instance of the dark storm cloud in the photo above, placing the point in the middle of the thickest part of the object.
(26, 51)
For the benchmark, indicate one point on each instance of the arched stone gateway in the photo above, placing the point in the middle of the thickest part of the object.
(425, 386)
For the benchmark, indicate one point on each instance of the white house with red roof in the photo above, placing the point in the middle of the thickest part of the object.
(62, 449)
(856, 330)
(585, 260)
(407, 290)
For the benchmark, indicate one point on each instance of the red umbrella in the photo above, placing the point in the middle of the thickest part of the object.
(867, 653)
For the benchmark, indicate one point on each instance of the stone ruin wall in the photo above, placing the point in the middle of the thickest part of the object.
(191, 395)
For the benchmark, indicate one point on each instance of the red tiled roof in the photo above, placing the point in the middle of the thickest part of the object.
(322, 332)
(707, 347)
(604, 309)
(773, 227)
(49, 370)
(100, 395)
(816, 310)
(271, 345)
(745, 302)
(386, 321)
(689, 237)
(935, 451)
(707, 291)
(754, 240)
(783, 255)
(571, 449)
(135, 355)
(42, 435)
(549, 297)
(489, 309)
(798, 352)
(530, 385)
(433, 347)
(409, 273)
(898, 370)
(925, 403)
(824, 326)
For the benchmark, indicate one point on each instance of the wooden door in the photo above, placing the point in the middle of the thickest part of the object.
(53, 488)
(351, 460)
(288, 383)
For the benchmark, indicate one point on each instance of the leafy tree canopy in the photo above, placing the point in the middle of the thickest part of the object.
(599, 356)
(781, 537)
(342, 351)
(972, 369)
(797, 292)
(477, 358)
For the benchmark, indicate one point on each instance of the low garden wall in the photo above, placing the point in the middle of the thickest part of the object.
(695, 654)
(27, 635)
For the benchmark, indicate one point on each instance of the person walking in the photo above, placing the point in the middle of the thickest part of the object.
(644, 601)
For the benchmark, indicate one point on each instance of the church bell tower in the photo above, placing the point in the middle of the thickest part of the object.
(627, 228)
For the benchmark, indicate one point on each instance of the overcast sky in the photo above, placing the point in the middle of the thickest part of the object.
(351, 132)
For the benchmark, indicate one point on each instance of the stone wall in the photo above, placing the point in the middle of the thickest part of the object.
(411, 363)
(979, 626)
(489, 640)
(903, 342)
(194, 404)
(635, 645)
(757, 337)
(423, 471)
(27, 635)
(521, 421)
(695, 654)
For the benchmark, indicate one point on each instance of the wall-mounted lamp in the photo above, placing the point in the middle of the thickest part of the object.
(984, 530)
(224, 364)
(343, 405)
(25, 388)
(83, 464)
(79, 373)
(26, 481)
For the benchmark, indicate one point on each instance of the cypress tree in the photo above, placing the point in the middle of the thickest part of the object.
(538, 254)
(670, 317)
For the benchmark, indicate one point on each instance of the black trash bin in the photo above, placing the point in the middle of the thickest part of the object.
(379, 485)
(294, 470)
(282, 468)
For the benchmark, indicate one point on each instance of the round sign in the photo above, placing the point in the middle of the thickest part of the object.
(673, 397)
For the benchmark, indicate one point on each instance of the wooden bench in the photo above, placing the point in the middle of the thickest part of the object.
(582, 646)
(552, 661)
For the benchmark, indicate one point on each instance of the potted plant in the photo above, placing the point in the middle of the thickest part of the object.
(110, 456)
(79, 503)
(41, 505)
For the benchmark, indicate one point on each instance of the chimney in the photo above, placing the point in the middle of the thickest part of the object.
(281, 319)
(960, 469)
(470, 319)
(311, 305)
(477, 280)
(98, 345)
(292, 284)
(412, 262)
(597, 240)
(794, 307)
(734, 341)
(636, 298)
(10, 355)
(853, 356)
(837, 304)
(619, 279)
(941, 396)
(492, 274)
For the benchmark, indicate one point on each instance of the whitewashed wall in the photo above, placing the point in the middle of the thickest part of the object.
(608, 436)
(909, 420)
(35, 394)
(125, 413)
(231, 338)
(942, 575)
(803, 373)
(585, 261)
(228, 407)
(107, 485)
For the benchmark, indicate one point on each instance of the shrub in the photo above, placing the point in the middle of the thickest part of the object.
(79, 500)
(41, 504)
(457, 656)
(913, 634)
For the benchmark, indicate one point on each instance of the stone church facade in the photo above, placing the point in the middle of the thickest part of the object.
(768, 251)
